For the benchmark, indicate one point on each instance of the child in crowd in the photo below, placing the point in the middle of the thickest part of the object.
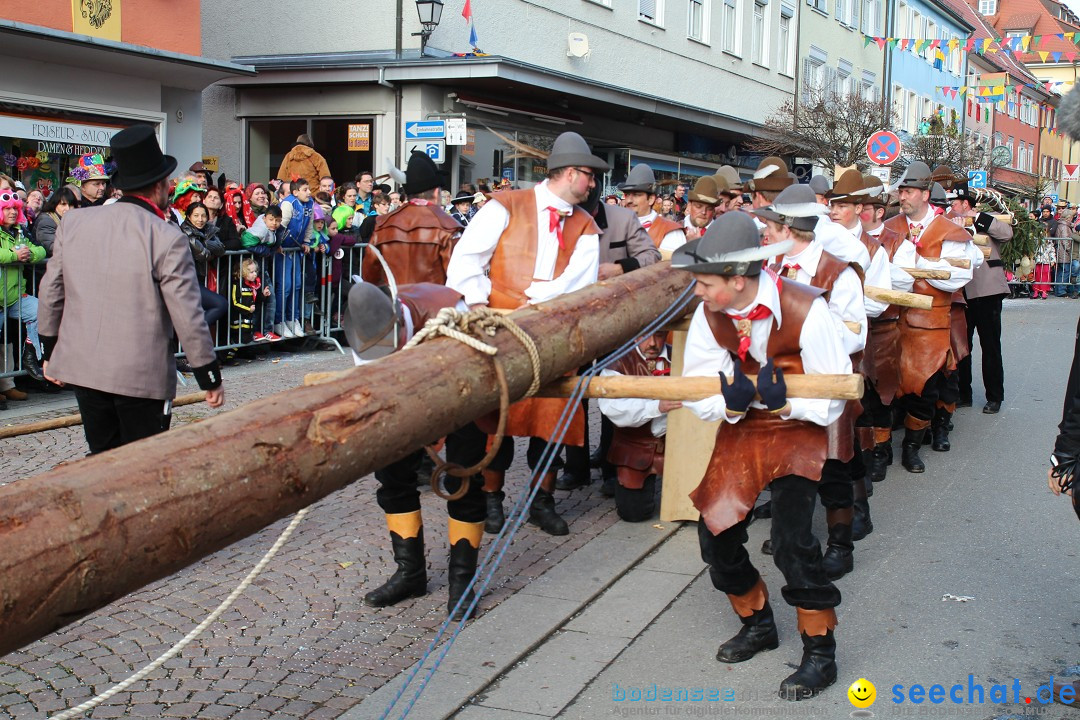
(248, 294)
(262, 239)
(318, 245)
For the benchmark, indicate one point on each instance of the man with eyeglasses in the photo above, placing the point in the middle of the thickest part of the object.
(524, 247)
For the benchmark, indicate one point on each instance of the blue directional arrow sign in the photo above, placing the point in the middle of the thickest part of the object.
(977, 178)
(425, 129)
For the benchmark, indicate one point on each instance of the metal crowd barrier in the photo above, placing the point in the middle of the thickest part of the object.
(13, 337)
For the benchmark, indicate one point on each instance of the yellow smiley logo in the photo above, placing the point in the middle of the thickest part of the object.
(862, 693)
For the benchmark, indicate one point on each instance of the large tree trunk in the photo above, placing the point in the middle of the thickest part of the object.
(88, 532)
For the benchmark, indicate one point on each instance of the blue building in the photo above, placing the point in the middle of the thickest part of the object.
(916, 72)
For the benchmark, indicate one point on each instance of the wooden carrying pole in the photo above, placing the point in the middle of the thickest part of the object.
(88, 532)
(832, 387)
(919, 273)
(76, 419)
(898, 297)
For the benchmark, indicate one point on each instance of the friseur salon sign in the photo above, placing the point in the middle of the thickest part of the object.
(45, 130)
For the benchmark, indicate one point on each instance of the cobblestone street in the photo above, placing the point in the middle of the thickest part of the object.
(299, 642)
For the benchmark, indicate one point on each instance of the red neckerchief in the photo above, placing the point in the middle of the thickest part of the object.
(915, 230)
(744, 323)
(791, 271)
(150, 204)
(659, 367)
(254, 285)
(555, 218)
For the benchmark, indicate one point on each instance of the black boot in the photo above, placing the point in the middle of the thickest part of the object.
(460, 571)
(495, 519)
(31, 364)
(940, 430)
(542, 514)
(410, 580)
(867, 460)
(766, 547)
(758, 633)
(596, 458)
(817, 670)
(910, 456)
(861, 524)
(636, 505)
(880, 459)
(576, 473)
(611, 480)
(839, 559)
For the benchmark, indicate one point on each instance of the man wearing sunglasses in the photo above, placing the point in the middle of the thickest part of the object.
(524, 247)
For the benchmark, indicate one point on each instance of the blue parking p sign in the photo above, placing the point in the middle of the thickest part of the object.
(977, 179)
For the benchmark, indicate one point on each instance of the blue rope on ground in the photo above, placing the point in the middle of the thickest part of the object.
(520, 508)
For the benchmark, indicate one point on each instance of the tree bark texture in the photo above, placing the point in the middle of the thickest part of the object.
(88, 532)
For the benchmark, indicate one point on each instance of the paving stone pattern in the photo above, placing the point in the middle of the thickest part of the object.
(300, 642)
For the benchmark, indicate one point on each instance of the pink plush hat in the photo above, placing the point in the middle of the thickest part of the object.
(9, 198)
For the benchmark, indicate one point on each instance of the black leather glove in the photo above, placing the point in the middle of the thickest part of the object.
(739, 393)
(773, 392)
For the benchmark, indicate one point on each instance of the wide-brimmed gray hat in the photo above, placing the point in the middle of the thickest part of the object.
(938, 197)
(640, 179)
(917, 175)
(820, 185)
(728, 180)
(369, 316)
(796, 206)
(571, 149)
(731, 246)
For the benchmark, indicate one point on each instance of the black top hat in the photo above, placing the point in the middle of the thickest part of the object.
(421, 174)
(138, 157)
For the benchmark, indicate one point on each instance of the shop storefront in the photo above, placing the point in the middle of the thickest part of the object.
(347, 143)
(40, 148)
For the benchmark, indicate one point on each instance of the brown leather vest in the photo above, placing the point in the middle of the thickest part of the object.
(514, 259)
(841, 432)
(761, 447)
(416, 241)
(891, 241)
(660, 227)
(425, 300)
(925, 334)
(634, 451)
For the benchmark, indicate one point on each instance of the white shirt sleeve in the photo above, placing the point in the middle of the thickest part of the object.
(847, 303)
(904, 257)
(673, 240)
(628, 412)
(705, 358)
(877, 275)
(469, 263)
(959, 276)
(822, 354)
(580, 271)
(975, 253)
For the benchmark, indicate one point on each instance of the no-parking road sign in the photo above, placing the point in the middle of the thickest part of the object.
(883, 147)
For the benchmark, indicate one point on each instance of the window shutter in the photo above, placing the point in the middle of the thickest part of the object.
(647, 8)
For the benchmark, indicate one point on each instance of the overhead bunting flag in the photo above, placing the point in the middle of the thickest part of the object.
(1017, 44)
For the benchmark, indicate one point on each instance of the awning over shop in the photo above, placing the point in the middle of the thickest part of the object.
(31, 42)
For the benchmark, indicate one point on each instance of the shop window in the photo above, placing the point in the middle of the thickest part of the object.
(39, 147)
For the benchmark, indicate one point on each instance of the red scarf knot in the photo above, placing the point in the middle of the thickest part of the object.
(555, 218)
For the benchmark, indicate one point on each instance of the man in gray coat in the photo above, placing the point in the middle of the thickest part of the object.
(984, 294)
(120, 283)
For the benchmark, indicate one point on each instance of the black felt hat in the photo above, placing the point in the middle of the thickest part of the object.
(138, 157)
(421, 174)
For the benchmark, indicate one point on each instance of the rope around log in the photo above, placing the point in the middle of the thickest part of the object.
(198, 630)
(466, 328)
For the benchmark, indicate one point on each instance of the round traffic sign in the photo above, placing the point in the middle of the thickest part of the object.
(883, 147)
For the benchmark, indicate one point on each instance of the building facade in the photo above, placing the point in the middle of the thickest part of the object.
(678, 84)
(77, 72)
(917, 72)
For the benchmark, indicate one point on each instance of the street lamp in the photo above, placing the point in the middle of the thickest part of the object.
(430, 12)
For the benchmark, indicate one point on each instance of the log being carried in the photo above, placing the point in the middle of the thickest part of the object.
(88, 532)
(755, 321)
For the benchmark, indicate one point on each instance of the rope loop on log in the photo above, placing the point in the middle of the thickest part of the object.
(468, 328)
